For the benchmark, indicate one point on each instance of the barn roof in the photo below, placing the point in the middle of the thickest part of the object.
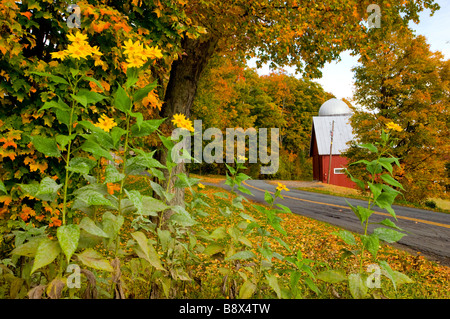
(321, 132)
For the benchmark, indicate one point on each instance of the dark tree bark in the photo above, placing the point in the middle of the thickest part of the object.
(180, 93)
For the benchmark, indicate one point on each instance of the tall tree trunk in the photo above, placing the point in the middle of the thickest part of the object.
(180, 93)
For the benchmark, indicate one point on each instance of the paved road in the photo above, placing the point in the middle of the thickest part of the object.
(429, 232)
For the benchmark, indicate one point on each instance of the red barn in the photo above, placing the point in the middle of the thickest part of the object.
(331, 131)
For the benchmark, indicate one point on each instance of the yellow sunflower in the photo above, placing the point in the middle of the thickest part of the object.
(282, 187)
(393, 126)
(105, 123)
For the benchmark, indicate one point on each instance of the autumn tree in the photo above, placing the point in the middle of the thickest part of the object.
(232, 95)
(403, 81)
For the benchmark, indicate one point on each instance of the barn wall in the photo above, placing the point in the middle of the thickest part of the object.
(317, 172)
(337, 161)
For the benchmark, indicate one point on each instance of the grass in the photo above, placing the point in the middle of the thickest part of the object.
(317, 242)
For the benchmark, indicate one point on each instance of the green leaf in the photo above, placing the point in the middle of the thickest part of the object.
(161, 192)
(46, 145)
(46, 253)
(401, 278)
(59, 105)
(389, 223)
(273, 283)
(147, 160)
(371, 243)
(242, 255)
(364, 213)
(151, 204)
(332, 276)
(357, 285)
(387, 197)
(3, 188)
(376, 189)
(64, 117)
(357, 181)
(29, 248)
(91, 96)
(138, 116)
(285, 208)
(231, 169)
(132, 77)
(244, 190)
(268, 197)
(89, 226)
(30, 189)
(141, 93)
(122, 100)
(48, 189)
(182, 217)
(213, 249)
(282, 243)
(68, 236)
(370, 147)
(146, 250)
(185, 181)
(136, 198)
(63, 140)
(81, 165)
(116, 134)
(247, 217)
(390, 180)
(354, 209)
(218, 233)
(346, 236)
(95, 149)
(80, 99)
(221, 195)
(54, 78)
(247, 290)
(93, 198)
(112, 175)
(388, 272)
(94, 259)
(165, 238)
(111, 224)
(146, 127)
(388, 235)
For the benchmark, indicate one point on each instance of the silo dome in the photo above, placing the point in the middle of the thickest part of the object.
(334, 107)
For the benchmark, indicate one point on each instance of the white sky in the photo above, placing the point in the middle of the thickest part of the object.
(337, 78)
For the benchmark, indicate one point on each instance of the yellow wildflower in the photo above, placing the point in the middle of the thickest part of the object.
(393, 126)
(282, 187)
(153, 53)
(79, 50)
(95, 51)
(200, 185)
(137, 55)
(59, 55)
(105, 123)
(135, 62)
(180, 121)
(77, 37)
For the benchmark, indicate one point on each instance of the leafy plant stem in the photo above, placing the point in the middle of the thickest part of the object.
(66, 181)
(125, 149)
